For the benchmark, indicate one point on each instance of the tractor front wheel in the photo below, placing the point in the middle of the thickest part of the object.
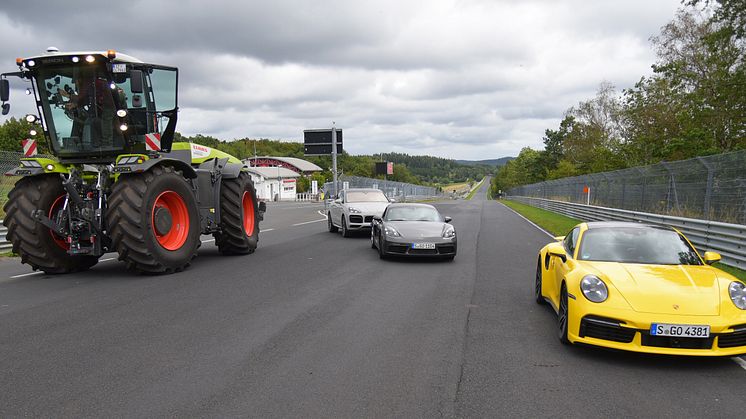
(153, 221)
(35, 243)
(239, 216)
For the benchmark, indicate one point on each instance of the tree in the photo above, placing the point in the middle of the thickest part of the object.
(12, 131)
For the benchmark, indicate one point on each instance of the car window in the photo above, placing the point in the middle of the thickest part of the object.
(412, 213)
(571, 241)
(655, 246)
(366, 196)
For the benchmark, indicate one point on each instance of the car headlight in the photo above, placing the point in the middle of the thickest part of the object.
(354, 210)
(737, 291)
(594, 288)
(449, 232)
(391, 231)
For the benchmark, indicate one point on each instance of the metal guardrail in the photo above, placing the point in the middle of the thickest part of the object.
(727, 239)
(5, 245)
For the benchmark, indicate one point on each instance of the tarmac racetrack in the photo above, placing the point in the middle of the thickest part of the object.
(315, 325)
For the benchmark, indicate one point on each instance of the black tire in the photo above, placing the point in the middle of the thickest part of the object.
(562, 317)
(234, 238)
(344, 229)
(372, 241)
(130, 218)
(31, 240)
(381, 254)
(537, 285)
(332, 227)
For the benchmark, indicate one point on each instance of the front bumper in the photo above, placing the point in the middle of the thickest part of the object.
(400, 246)
(629, 330)
(360, 221)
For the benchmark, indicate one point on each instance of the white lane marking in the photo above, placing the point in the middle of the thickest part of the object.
(529, 221)
(267, 229)
(107, 259)
(740, 361)
(28, 274)
(309, 222)
(322, 213)
(208, 240)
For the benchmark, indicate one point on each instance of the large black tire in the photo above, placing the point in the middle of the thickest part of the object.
(345, 231)
(239, 216)
(131, 214)
(381, 254)
(563, 316)
(330, 225)
(538, 297)
(31, 240)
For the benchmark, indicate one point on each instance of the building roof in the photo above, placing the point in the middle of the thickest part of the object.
(292, 163)
(275, 172)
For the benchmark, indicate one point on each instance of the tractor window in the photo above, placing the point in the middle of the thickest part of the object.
(164, 89)
(79, 104)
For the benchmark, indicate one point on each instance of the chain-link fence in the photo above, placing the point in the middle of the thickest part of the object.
(710, 188)
(8, 161)
(401, 191)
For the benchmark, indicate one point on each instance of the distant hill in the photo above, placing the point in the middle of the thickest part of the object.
(491, 162)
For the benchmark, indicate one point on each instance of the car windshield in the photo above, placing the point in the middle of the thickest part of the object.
(655, 246)
(413, 213)
(366, 196)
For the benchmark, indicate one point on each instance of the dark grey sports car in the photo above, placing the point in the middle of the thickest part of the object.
(413, 230)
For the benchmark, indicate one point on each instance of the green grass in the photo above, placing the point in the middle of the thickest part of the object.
(552, 222)
(559, 225)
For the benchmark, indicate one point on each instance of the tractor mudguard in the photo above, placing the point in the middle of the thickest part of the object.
(148, 164)
(232, 170)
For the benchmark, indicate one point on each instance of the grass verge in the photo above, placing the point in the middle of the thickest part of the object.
(559, 225)
(474, 191)
(555, 224)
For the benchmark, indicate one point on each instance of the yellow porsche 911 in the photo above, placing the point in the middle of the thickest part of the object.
(641, 288)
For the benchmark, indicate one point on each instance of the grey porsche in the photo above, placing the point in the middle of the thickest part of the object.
(413, 230)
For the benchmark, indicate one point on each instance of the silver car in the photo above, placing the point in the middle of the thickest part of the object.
(413, 230)
(354, 210)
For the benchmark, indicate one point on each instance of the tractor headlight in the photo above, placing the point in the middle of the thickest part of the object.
(594, 289)
(90, 58)
(448, 231)
(737, 291)
(31, 118)
(354, 210)
(391, 231)
(121, 113)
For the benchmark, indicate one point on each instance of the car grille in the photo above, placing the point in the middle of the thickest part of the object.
(731, 340)
(357, 219)
(445, 249)
(423, 251)
(676, 342)
(606, 329)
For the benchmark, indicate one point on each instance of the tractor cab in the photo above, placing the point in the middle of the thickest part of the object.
(94, 106)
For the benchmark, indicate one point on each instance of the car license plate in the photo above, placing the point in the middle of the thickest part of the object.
(423, 245)
(680, 330)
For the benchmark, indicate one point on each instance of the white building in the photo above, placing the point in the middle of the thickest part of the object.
(277, 183)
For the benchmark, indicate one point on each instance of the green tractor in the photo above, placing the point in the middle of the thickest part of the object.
(118, 182)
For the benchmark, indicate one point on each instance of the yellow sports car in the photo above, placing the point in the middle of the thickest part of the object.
(641, 288)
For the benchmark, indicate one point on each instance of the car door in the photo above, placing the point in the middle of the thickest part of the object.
(336, 208)
(562, 268)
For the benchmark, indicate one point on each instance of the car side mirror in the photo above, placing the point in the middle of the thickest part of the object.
(392, 200)
(712, 257)
(338, 201)
(447, 219)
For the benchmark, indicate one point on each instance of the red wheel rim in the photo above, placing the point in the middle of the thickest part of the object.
(248, 213)
(56, 206)
(177, 234)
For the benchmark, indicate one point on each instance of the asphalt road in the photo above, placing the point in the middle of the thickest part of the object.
(315, 325)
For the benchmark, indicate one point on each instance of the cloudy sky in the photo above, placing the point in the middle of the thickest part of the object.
(462, 79)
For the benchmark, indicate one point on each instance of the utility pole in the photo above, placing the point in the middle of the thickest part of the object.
(334, 159)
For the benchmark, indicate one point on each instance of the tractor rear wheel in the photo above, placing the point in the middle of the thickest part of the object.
(239, 217)
(153, 221)
(37, 245)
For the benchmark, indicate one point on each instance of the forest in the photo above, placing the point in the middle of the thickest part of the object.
(693, 104)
